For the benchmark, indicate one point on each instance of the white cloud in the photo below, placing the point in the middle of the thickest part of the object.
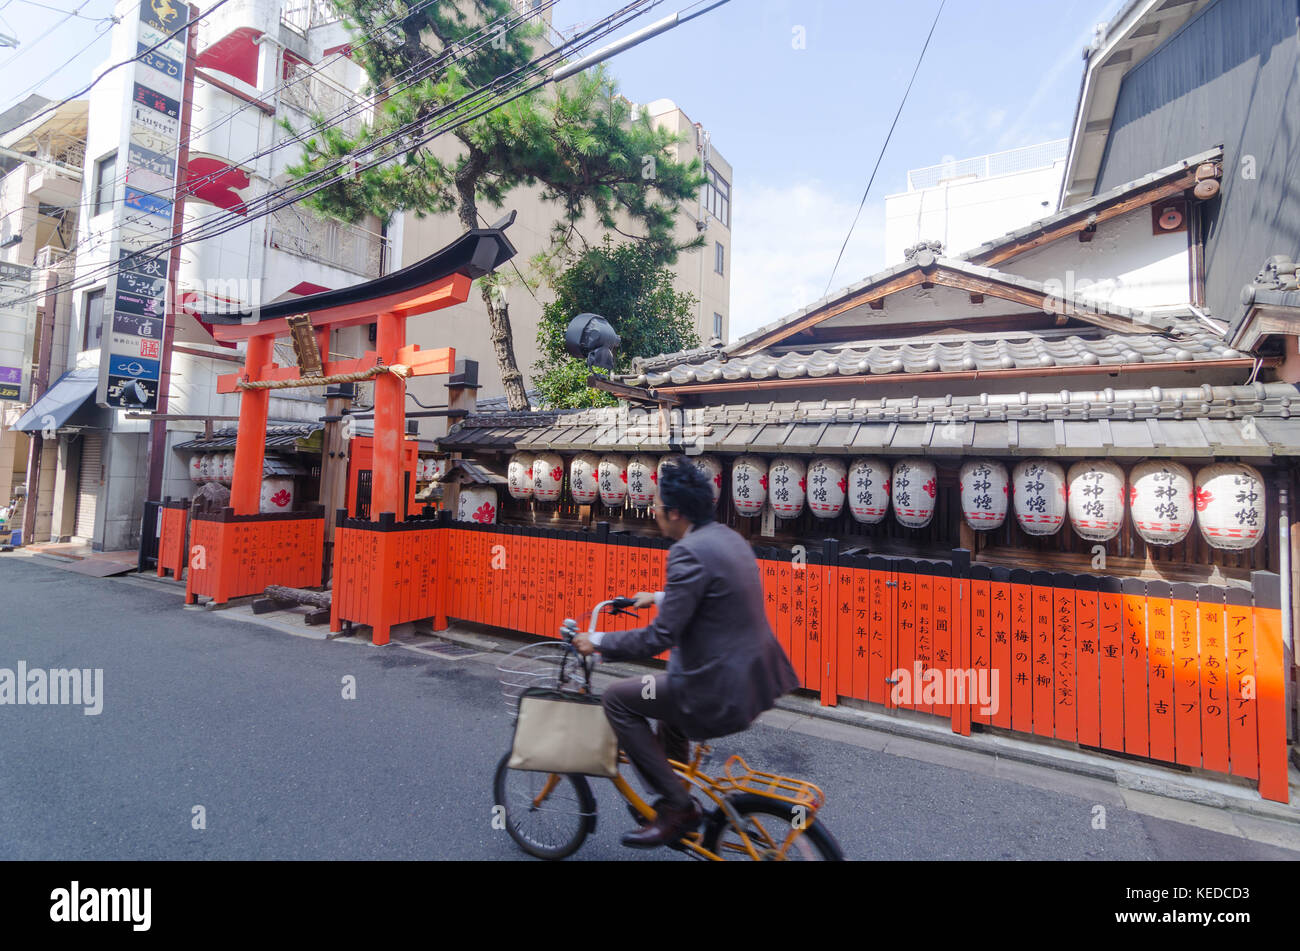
(784, 243)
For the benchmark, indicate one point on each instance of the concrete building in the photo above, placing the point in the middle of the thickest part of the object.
(965, 202)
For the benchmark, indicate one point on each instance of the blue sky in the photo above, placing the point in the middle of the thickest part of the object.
(801, 126)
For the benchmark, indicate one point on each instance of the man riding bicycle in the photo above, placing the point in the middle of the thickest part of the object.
(726, 666)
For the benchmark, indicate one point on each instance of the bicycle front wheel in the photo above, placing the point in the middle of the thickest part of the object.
(547, 814)
(768, 823)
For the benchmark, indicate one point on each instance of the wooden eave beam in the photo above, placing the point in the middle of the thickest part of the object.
(634, 393)
(1018, 295)
(1149, 197)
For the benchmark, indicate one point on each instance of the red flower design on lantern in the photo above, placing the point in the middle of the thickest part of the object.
(557, 473)
(654, 476)
(484, 513)
(843, 484)
(803, 485)
(1132, 494)
(762, 480)
(1203, 499)
(280, 498)
(929, 488)
(717, 479)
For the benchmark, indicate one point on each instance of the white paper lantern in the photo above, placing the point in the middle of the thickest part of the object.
(208, 467)
(1160, 498)
(748, 485)
(915, 487)
(226, 468)
(1096, 499)
(1038, 490)
(196, 467)
(477, 503)
(712, 468)
(985, 492)
(642, 480)
(613, 480)
(584, 478)
(1230, 505)
(437, 468)
(422, 469)
(548, 476)
(828, 482)
(277, 495)
(787, 483)
(520, 476)
(869, 481)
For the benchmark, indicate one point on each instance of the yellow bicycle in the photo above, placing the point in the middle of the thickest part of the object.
(754, 815)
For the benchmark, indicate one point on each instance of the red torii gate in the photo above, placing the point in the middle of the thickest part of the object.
(241, 550)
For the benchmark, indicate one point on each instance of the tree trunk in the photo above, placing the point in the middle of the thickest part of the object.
(498, 311)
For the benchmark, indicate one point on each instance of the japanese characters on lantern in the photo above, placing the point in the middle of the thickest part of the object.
(584, 478)
(786, 486)
(642, 480)
(613, 479)
(748, 485)
(1038, 496)
(985, 489)
(1160, 499)
(828, 482)
(712, 468)
(477, 503)
(548, 477)
(519, 476)
(915, 489)
(1096, 499)
(869, 490)
(1230, 505)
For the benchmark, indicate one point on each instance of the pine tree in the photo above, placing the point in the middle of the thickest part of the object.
(577, 140)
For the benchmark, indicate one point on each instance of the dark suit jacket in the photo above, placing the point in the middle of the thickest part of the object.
(727, 666)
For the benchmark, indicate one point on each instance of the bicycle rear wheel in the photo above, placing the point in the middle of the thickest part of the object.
(548, 815)
(768, 823)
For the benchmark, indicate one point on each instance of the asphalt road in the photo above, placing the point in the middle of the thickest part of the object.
(201, 709)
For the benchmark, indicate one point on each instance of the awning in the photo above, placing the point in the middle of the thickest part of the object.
(60, 401)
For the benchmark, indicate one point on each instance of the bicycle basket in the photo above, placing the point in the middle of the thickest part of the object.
(552, 665)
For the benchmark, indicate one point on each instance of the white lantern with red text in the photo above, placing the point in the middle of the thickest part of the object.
(196, 468)
(437, 468)
(748, 485)
(1095, 499)
(985, 493)
(786, 486)
(642, 480)
(869, 481)
(208, 467)
(519, 476)
(1230, 505)
(1038, 496)
(828, 482)
(277, 495)
(915, 486)
(613, 479)
(477, 503)
(584, 478)
(1160, 500)
(712, 469)
(548, 477)
(226, 468)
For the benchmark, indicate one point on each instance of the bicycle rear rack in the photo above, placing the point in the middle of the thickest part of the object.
(743, 778)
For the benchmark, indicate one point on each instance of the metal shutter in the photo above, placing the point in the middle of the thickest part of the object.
(88, 481)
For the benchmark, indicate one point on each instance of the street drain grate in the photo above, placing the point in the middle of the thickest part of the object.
(450, 650)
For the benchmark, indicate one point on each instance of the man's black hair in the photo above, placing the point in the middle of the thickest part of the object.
(686, 489)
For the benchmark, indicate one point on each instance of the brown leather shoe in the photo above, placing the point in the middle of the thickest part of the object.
(670, 825)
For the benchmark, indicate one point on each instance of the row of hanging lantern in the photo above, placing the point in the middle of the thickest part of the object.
(1226, 500)
(212, 467)
(430, 468)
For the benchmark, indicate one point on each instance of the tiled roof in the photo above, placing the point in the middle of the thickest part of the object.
(1151, 421)
(1028, 350)
(277, 437)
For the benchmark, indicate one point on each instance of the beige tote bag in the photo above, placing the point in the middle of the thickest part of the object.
(563, 733)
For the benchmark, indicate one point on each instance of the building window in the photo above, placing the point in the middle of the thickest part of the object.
(717, 196)
(717, 326)
(105, 176)
(719, 257)
(93, 308)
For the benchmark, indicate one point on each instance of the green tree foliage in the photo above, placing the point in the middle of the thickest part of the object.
(576, 141)
(630, 288)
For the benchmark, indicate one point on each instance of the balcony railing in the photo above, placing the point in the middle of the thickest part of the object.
(51, 257)
(349, 247)
(309, 93)
(301, 15)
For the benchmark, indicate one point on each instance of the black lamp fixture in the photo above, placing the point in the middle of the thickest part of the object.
(590, 337)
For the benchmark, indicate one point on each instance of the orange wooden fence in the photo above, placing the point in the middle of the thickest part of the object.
(235, 555)
(173, 533)
(1178, 673)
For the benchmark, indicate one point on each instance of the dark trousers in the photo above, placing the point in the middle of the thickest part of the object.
(628, 703)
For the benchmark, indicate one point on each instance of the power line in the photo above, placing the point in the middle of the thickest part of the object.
(220, 224)
(74, 13)
(884, 146)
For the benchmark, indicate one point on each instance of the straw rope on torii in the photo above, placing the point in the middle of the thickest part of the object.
(397, 369)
